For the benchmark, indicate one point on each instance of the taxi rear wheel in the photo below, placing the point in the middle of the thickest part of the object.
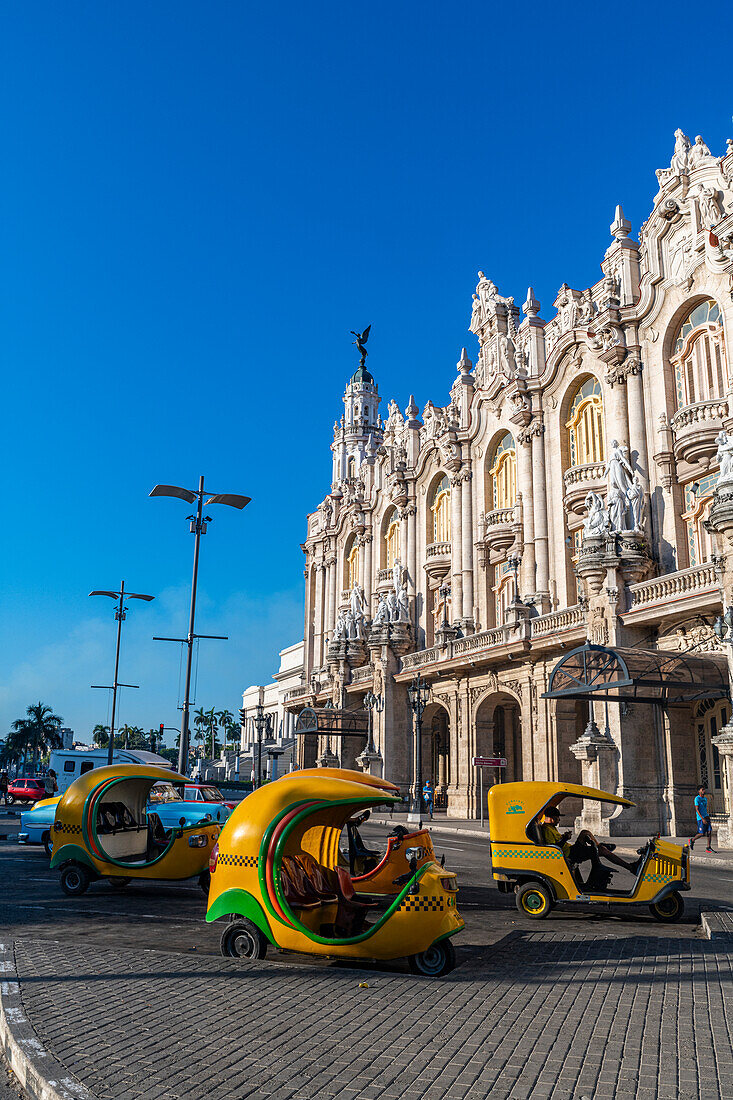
(534, 900)
(47, 844)
(243, 940)
(205, 882)
(439, 959)
(669, 909)
(75, 880)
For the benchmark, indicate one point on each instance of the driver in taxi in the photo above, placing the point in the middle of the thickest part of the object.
(586, 847)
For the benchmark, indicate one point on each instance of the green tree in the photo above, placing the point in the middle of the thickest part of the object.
(40, 730)
(100, 734)
(200, 722)
(224, 718)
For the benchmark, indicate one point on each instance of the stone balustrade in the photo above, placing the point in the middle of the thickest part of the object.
(345, 595)
(557, 621)
(699, 413)
(422, 657)
(383, 576)
(590, 472)
(485, 640)
(672, 586)
(297, 693)
(437, 550)
(499, 517)
(359, 675)
(695, 428)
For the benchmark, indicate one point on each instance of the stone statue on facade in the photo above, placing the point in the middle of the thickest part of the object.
(724, 457)
(394, 419)
(351, 629)
(596, 523)
(710, 209)
(635, 497)
(698, 152)
(617, 503)
(619, 474)
(681, 156)
(382, 613)
(357, 608)
(339, 632)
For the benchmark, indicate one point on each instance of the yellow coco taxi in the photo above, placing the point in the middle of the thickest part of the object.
(540, 874)
(275, 875)
(103, 829)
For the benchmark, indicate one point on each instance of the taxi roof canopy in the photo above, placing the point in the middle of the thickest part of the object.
(513, 806)
(636, 675)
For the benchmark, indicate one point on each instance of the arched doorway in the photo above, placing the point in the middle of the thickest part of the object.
(498, 732)
(436, 751)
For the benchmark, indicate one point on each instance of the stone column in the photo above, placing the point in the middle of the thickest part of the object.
(367, 585)
(637, 421)
(467, 550)
(318, 620)
(332, 570)
(456, 547)
(724, 744)
(594, 751)
(542, 558)
(616, 408)
(524, 485)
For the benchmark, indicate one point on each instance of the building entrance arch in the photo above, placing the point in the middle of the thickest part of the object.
(498, 732)
(436, 751)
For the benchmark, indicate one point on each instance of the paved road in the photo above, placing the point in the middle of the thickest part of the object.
(170, 917)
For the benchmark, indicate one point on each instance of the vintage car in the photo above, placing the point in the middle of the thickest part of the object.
(276, 879)
(24, 791)
(36, 824)
(103, 829)
(542, 874)
(206, 792)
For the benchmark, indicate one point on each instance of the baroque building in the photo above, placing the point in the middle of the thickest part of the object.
(560, 496)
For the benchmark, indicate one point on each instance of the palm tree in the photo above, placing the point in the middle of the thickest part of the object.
(224, 718)
(40, 730)
(11, 751)
(211, 721)
(200, 720)
(100, 734)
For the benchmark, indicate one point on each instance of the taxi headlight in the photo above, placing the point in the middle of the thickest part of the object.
(449, 883)
(197, 841)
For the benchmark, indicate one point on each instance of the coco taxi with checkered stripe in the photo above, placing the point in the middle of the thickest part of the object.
(543, 869)
(278, 878)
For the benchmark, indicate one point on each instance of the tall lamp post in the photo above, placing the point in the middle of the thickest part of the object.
(263, 725)
(418, 694)
(198, 528)
(120, 615)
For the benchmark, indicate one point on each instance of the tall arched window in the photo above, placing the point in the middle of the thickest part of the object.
(699, 356)
(503, 473)
(441, 511)
(352, 562)
(585, 425)
(504, 589)
(698, 498)
(392, 539)
(351, 467)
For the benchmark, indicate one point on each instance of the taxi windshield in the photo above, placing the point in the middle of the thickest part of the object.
(163, 792)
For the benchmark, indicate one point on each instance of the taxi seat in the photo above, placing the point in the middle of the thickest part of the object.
(337, 887)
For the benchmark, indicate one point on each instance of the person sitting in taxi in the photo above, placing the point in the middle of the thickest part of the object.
(586, 847)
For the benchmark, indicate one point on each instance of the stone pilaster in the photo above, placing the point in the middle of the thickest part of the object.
(466, 550)
(456, 546)
(539, 486)
(724, 744)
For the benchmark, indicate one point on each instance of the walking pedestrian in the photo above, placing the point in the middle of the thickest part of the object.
(427, 793)
(4, 782)
(50, 783)
(704, 826)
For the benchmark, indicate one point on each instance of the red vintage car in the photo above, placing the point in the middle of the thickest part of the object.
(24, 791)
(205, 792)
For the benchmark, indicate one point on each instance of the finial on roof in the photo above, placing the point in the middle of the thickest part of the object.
(531, 307)
(620, 226)
(411, 411)
(464, 364)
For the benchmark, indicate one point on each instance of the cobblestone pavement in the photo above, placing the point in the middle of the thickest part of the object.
(545, 1015)
(9, 1087)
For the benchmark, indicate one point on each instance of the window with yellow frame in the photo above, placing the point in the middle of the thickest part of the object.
(352, 562)
(392, 539)
(699, 360)
(585, 425)
(504, 589)
(503, 473)
(441, 511)
(698, 498)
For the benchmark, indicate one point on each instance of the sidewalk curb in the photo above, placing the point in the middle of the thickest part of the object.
(453, 830)
(42, 1077)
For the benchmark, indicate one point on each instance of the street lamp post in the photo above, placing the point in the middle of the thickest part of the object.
(263, 724)
(418, 694)
(120, 615)
(198, 528)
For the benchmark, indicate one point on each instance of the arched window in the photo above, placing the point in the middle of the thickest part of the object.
(504, 589)
(351, 467)
(698, 498)
(710, 717)
(585, 425)
(503, 473)
(699, 356)
(441, 511)
(392, 539)
(352, 562)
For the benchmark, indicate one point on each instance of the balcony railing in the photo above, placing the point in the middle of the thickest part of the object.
(422, 657)
(296, 693)
(699, 413)
(383, 576)
(485, 640)
(673, 586)
(499, 517)
(359, 675)
(588, 473)
(438, 550)
(558, 621)
(695, 429)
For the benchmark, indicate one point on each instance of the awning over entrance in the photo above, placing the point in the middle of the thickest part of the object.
(636, 676)
(332, 722)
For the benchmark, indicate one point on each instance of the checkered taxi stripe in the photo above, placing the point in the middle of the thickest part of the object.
(661, 870)
(62, 827)
(526, 853)
(228, 859)
(427, 903)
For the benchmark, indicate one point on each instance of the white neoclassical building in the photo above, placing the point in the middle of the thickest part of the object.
(560, 496)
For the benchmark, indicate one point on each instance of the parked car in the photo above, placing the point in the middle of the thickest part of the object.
(24, 791)
(35, 824)
(205, 792)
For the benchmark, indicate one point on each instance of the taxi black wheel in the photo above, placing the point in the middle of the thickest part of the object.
(118, 883)
(243, 940)
(75, 880)
(47, 844)
(205, 882)
(440, 958)
(534, 900)
(669, 909)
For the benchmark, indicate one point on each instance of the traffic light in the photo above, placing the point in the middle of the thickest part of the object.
(242, 716)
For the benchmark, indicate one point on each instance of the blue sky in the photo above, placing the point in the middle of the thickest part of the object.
(198, 202)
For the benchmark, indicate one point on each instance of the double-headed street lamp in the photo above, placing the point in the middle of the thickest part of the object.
(263, 725)
(198, 528)
(418, 694)
(120, 615)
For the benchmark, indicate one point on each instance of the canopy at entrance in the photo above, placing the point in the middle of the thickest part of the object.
(636, 676)
(333, 722)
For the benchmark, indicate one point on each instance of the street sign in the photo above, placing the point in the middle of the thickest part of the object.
(489, 762)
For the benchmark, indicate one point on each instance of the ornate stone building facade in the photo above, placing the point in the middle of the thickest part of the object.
(561, 494)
